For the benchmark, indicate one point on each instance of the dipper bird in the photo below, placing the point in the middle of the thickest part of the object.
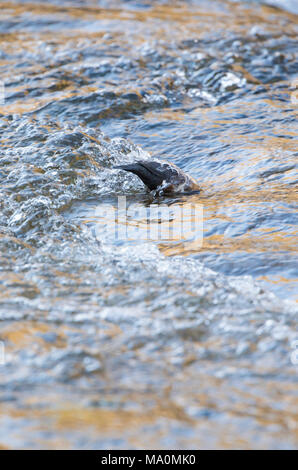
(161, 176)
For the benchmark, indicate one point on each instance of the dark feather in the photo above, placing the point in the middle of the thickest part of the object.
(149, 172)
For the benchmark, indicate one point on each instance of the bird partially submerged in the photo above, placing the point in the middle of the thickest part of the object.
(162, 177)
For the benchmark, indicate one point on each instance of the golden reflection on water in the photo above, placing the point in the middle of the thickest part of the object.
(222, 193)
(228, 204)
(153, 415)
(199, 389)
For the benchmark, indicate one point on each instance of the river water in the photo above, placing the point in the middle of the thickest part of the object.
(110, 343)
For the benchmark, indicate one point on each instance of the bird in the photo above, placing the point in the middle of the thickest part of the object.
(161, 177)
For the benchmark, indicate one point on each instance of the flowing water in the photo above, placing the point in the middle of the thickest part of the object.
(109, 343)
